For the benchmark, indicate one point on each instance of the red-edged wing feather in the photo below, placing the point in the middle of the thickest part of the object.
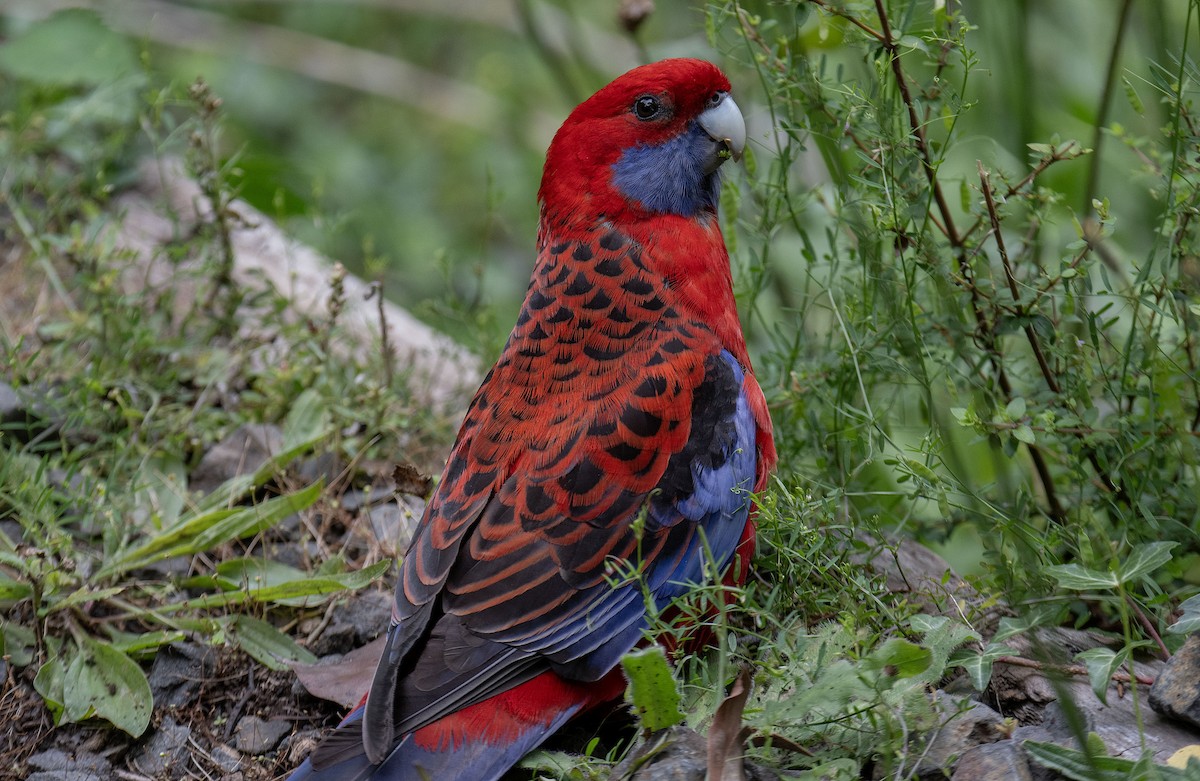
(568, 436)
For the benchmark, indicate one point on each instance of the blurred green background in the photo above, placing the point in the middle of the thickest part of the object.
(405, 137)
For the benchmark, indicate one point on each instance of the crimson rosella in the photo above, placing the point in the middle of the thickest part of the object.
(621, 429)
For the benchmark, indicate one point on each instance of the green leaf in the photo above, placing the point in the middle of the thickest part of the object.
(104, 682)
(307, 422)
(1101, 663)
(49, 683)
(1078, 578)
(900, 658)
(1190, 620)
(13, 590)
(1033, 617)
(208, 529)
(978, 664)
(265, 643)
(652, 690)
(163, 489)
(271, 581)
(79, 597)
(70, 48)
(1144, 559)
(1024, 433)
(19, 643)
(140, 644)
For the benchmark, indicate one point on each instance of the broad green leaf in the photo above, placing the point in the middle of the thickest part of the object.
(104, 682)
(652, 690)
(141, 644)
(49, 682)
(1101, 663)
(1033, 617)
(265, 643)
(19, 643)
(942, 636)
(1144, 559)
(13, 590)
(900, 658)
(1078, 578)
(1190, 620)
(978, 664)
(162, 489)
(70, 48)
(307, 422)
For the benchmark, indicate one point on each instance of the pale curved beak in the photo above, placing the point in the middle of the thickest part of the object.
(725, 124)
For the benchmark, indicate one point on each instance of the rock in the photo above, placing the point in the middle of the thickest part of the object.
(965, 725)
(438, 371)
(227, 758)
(167, 750)
(255, 736)
(1001, 761)
(1176, 692)
(57, 765)
(22, 416)
(353, 501)
(677, 754)
(12, 406)
(393, 523)
(321, 466)
(1115, 723)
(360, 620)
(177, 673)
(240, 453)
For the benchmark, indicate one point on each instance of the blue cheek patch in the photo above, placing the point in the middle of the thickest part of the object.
(669, 177)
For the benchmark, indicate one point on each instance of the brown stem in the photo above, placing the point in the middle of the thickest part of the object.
(1071, 669)
(1151, 630)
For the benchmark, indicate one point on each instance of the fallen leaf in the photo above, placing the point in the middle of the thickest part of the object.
(342, 679)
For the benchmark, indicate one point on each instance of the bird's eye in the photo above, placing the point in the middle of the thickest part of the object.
(715, 98)
(647, 107)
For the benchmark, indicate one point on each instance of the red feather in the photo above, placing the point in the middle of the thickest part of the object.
(621, 419)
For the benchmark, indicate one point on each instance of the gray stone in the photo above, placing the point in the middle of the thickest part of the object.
(255, 736)
(12, 406)
(677, 754)
(1115, 722)
(1001, 761)
(57, 765)
(167, 750)
(227, 758)
(1176, 692)
(393, 523)
(242, 452)
(965, 725)
(322, 466)
(352, 501)
(363, 618)
(177, 673)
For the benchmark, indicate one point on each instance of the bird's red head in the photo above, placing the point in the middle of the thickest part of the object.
(649, 143)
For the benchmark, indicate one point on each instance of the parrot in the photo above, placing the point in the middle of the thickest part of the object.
(609, 454)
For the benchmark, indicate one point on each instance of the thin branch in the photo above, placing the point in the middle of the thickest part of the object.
(1070, 669)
